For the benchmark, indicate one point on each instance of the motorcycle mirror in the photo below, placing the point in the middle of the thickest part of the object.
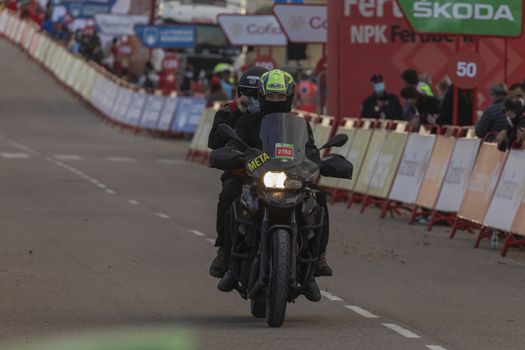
(228, 131)
(338, 140)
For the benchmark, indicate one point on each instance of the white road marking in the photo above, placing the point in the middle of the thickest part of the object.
(330, 296)
(212, 241)
(23, 147)
(172, 161)
(133, 202)
(15, 155)
(361, 311)
(121, 159)
(435, 347)
(163, 216)
(110, 191)
(197, 233)
(101, 185)
(68, 157)
(400, 330)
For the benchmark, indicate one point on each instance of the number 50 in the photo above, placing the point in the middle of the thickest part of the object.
(466, 69)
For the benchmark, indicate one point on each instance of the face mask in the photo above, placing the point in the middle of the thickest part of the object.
(254, 105)
(275, 107)
(379, 87)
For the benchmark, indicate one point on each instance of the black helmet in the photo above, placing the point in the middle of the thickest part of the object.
(249, 80)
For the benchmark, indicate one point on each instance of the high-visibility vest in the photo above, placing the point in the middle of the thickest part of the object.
(424, 88)
(307, 94)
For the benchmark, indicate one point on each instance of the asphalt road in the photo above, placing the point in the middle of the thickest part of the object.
(102, 229)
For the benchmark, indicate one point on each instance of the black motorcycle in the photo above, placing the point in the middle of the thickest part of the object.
(276, 224)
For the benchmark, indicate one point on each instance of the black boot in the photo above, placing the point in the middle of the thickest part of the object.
(218, 266)
(228, 282)
(323, 269)
(311, 291)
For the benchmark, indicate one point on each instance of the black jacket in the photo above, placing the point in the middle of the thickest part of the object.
(229, 114)
(492, 120)
(465, 107)
(391, 107)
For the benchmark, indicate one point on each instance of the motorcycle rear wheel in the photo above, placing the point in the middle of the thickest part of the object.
(277, 294)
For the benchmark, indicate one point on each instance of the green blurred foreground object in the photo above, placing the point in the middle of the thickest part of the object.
(126, 340)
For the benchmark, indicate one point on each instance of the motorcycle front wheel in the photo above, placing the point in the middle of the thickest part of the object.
(277, 293)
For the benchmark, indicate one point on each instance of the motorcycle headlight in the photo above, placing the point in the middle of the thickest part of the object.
(293, 184)
(274, 180)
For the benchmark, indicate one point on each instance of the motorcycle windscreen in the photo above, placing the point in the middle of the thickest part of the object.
(284, 138)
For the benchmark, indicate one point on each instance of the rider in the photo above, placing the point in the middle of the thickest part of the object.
(231, 184)
(276, 95)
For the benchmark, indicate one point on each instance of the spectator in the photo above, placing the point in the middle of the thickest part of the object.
(465, 107)
(381, 104)
(493, 118)
(419, 109)
(411, 78)
(226, 84)
(187, 78)
(517, 90)
(217, 94)
(443, 87)
(306, 94)
(514, 135)
(149, 79)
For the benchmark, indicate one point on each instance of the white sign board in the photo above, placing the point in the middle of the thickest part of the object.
(412, 168)
(152, 111)
(303, 23)
(458, 175)
(123, 105)
(166, 116)
(509, 192)
(252, 30)
(118, 24)
(135, 109)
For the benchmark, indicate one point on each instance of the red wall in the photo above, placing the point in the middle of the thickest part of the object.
(371, 36)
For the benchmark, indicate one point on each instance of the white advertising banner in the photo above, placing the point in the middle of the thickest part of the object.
(412, 168)
(458, 175)
(135, 108)
(152, 111)
(252, 30)
(303, 23)
(96, 95)
(509, 192)
(111, 24)
(123, 105)
(166, 116)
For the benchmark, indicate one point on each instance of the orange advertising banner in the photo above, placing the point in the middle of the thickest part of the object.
(436, 170)
(519, 221)
(482, 183)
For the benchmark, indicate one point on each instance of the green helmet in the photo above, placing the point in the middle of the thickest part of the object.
(280, 82)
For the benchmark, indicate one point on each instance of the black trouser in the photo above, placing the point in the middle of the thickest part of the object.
(231, 190)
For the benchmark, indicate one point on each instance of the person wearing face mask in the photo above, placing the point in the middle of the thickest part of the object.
(381, 104)
(514, 135)
(247, 103)
(277, 95)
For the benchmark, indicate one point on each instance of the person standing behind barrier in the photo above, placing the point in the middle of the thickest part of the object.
(419, 109)
(493, 118)
(465, 108)
(248, 103)
(381, 104)
(306, 94)
(514, 134)
(216, 93)
(411, 78)
(517, 90)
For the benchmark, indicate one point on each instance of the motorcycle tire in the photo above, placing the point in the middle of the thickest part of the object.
(258, 307)
(277, 293)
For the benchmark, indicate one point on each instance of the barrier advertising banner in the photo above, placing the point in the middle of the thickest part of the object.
(125, 102)
(458, 175)
(252, 30)
(435, 174)
(483, 180)
(387, 164)
(188, 114)
(356, 156)
(470, 17)
(412, 168)
(138, 100)
(303, 23)
(369, 165)
(509, 193)
(152, 111)
(166, 116)
(519, 222)
(200, 138)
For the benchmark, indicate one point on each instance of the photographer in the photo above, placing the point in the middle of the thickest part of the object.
(514, 135)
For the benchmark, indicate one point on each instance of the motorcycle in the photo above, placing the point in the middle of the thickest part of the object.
(277, 222)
